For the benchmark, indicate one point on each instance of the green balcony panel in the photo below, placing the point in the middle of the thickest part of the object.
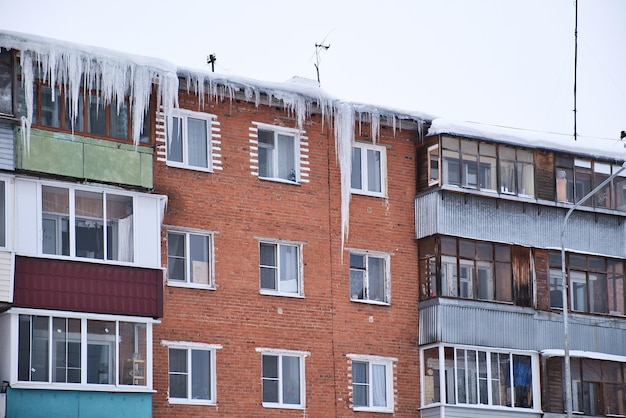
(86, 158)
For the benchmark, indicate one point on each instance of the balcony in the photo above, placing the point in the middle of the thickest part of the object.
(520, 221)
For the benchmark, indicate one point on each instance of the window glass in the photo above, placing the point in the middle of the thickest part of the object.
(277, 155)
(200, 374)
(282, 379)
(189, 258)
(50, 107)
(189, 141)
(522, 381)
(120, 245)
(360, 383)
(367, 174)
(178, 373)
(119, 119)
(66, 349)
(279, 266)
(431, 377)
(6, 82)
(96, 120)
(101, 352)
(197, 151)
(55, 220)
(133, 354)
(89, 224)
(368, 277)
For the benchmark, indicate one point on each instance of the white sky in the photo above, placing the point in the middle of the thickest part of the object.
(500, 62)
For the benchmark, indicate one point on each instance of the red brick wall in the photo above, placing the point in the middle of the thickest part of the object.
(240, 208)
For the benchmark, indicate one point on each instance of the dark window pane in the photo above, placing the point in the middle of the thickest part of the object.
(356, 181)
(175, 142)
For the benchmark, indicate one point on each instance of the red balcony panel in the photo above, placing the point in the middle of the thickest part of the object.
(88, 287)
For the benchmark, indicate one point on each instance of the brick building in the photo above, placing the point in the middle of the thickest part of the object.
(265, 249)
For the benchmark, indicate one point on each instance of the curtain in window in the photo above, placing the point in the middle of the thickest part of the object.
(175, 143)
(197, 142)
(200, 374)
(379, 394)
(373, 171)
(289, 268)
(376, 276)
(125, 239)
(286, 157)
(291, 380)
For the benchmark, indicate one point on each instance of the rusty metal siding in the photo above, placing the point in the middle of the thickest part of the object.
(504, 326)
(88, 287)
(518, 222)
(522, 276)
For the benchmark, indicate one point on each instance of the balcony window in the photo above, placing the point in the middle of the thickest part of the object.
(73, 350)
(99, 223)
(466, 269)
(482, 166)
(486, 377)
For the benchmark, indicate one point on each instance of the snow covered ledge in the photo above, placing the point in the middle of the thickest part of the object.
(112, 75)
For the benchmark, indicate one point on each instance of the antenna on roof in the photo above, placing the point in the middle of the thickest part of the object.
(317, 59)
(211, 60)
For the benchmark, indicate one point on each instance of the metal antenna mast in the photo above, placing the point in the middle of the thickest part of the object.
(317, 59)
(211, 60)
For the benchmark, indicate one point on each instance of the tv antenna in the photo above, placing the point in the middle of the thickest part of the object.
(318, 48)
(211, 60)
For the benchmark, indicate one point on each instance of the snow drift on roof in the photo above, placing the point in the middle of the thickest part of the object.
(590, 147)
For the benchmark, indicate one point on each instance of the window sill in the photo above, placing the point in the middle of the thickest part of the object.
(366, 193)
(288, 295)
(181, 401)
(172, 283)
(282, 406)
(368, 409)
(279, 180)
(371, 302)
(188, 167)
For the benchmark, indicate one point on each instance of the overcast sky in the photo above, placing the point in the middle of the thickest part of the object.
(501, 62)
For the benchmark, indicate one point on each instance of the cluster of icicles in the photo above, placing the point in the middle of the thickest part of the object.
(114, 76)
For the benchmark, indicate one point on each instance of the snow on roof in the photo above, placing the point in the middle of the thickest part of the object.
(591, 147)
(584, 354)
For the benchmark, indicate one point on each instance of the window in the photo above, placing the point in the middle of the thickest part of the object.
(6, 81)
(189, 145)
(280, 268)
(369, 166)
(191, 372)
(372, 383)
(471, 376)
(575, 178)
(3, 213)
(433, 165)
(278, 150)
(99, 223)
(189, 259)
(87, 115)
(466, 269)
(477, 165)
(369, 277)
(60, 350)
(598, 386)
(596, 283)
(282, 378)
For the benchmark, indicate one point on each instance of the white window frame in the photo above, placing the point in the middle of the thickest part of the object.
(190, 347)
(370, 360)
(73, 217)
(364, 190)
(190, 270)
(366, 282)
(279, 291)
(115, 386)
(278, 130)
(183, 117)
(301, 355)
(452, 385)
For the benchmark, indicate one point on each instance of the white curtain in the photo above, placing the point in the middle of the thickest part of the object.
(197, 142)
(379, 385)
(286, 157)
(125, 239)
(289, 268)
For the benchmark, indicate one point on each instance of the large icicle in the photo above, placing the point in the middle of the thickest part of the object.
(112, 76)
(344, 139)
